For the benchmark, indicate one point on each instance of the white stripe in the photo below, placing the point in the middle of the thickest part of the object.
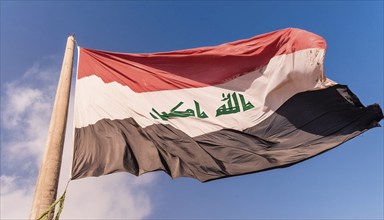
(266, 88)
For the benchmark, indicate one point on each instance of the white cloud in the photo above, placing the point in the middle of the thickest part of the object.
(114, 196)
(16, 198)
(25, 112)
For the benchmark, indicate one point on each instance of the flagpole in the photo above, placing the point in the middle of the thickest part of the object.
(48, 179)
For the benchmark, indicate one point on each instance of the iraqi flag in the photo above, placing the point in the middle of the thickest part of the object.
(212, 112)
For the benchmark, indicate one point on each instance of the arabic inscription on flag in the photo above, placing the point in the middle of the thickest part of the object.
(231, 107)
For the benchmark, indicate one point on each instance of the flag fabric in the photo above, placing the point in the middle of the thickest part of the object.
(212, 112)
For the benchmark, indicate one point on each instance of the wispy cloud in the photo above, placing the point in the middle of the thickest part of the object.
(25, 113)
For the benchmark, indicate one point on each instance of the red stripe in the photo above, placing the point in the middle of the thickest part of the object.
(193, 68)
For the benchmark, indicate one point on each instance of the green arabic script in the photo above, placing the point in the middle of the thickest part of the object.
(181, 114)
(232, 106)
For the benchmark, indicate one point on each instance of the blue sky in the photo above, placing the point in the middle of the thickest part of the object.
(344, 183)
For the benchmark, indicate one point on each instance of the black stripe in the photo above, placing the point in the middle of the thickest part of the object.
(309, 123)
